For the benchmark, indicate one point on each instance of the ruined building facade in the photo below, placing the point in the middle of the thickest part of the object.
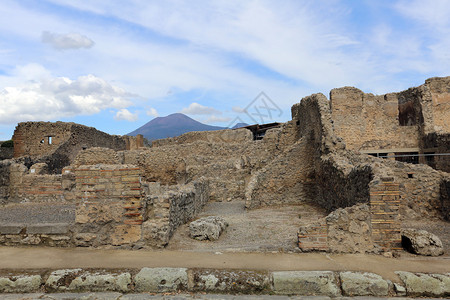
(139, 196)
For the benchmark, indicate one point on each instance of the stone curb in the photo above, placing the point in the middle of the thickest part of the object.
(173, 280)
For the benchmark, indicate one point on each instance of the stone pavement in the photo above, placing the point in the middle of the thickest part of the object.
(119, 296)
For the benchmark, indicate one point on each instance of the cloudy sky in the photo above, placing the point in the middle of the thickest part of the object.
(115, 65)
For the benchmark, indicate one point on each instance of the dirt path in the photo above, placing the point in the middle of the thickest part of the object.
(264, 229)
(57, 258)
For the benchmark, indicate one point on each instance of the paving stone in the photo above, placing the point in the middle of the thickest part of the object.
(420, 284)
(363, 284)
(77, 280)
(308, 283)
(82, 296)
(21, 296)
(159, 280)
(20, 284)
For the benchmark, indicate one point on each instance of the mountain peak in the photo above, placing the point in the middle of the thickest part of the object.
(171, 126)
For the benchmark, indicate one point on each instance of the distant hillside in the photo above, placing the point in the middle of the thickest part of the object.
(170, 126)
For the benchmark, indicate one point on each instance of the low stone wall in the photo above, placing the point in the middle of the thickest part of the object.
(112, 283)
(169, 207)
(345, 230)
(53, 235)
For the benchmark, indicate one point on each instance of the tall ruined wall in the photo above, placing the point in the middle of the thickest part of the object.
(369, 122)
(437, 143)
(32, 138)
(57, 144)
(436, 105)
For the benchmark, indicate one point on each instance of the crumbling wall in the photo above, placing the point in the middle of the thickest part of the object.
(369, 122)
(169, 207)
(134, 142)
(445, 198)
(6, 153)
(436, 105)
(288, 179)
(57, 144)
(241, 135)
(4, 180)
(345, 230)
(437, 143)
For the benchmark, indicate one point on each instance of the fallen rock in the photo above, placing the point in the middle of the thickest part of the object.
(421, 242)
(208, 228)
(425, 285)
(363, 284)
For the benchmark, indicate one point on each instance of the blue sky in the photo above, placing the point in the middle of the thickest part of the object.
(115, 65)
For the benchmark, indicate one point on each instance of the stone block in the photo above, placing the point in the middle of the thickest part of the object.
(53, 228)
(208, 228)
(160, 280)
(425, 285)
(20, 284)
(421, 242)
(80, 281)
(363, 284)
(11, 228)
(307, 283)
(229, 281)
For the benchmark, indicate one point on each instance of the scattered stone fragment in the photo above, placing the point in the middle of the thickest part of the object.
(208, 228)
(420, 284)
(308, 283)
(363, 284)
(421, 242)
(161, 280)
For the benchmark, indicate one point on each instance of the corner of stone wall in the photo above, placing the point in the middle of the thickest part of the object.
(169, 207)
(445, 198)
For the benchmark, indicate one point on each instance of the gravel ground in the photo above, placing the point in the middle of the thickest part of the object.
(33, 213)
(263, 229)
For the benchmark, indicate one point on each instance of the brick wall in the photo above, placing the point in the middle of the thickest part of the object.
(109, 205)
(314, 237)
(384, 209)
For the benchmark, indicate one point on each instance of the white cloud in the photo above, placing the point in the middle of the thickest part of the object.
(217, 119)
(152, 112)
(198, 109)
(238, 109)
(66, 41)
(53, 98)
(126, 115)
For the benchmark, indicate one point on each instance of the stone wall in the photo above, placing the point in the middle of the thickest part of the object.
(436, 105)
(57, 144)
(435, 143)
(241, 135)
(169, 207)
(369, 122)
(345, 230)
(109, 205)
(6, 153)
(4, 180)
(445, 198)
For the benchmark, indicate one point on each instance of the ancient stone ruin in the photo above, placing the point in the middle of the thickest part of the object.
(370, 161)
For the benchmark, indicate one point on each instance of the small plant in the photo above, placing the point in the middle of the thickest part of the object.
(8, 144)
